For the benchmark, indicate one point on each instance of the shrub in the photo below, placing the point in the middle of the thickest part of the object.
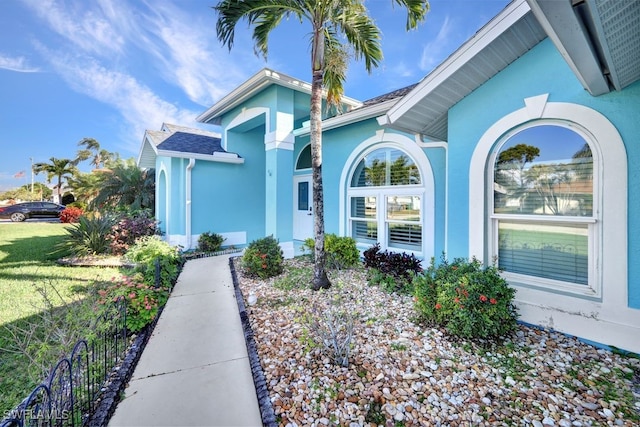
(70, 214)
(143, 301)
(156, 259)
(88, 236)
(393, 271)
(263, 258)
(130, 227)
(210, 242)
(341, 251)
(469, 300)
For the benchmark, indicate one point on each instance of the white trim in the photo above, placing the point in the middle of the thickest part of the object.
(383, 139)
(609, 321)
(167, 201)
(483, 38)
(218, 157)
(251, 87)
(243, 116)
(187, 214)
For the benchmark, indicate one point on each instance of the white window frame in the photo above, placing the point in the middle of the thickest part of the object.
(610, 250)
(594, 285)
(426, 190)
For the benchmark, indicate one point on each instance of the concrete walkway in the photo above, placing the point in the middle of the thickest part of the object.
(195, 370)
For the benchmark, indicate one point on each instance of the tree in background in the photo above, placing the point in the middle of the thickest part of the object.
(98, 157)
(125, 186)
(62, 169)
(40, 192)
(340, 29)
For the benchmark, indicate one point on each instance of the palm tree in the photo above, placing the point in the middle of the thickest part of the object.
(59, 168)
(99, 157)
(339, 27)
(125, 185)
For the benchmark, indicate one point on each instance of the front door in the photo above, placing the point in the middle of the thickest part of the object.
(302, 207)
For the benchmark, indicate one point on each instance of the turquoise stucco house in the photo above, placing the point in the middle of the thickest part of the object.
(520, 148)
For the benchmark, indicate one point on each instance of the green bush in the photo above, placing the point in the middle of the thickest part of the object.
(341, 251)
(263, 258)
(143, 300)
(469, 300)
(88, 236)
(155, 257)
(210, 242)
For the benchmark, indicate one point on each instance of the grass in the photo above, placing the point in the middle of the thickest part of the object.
(28, 258)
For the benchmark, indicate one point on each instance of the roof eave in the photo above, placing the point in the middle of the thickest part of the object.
(566, 31)
(510, 15)
(354, 116)
(215, 157)
(251, 87)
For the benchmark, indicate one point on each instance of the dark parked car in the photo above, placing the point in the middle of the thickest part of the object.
(23, 211)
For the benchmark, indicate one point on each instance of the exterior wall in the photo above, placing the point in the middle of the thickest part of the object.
(343, 146)
(611, 320)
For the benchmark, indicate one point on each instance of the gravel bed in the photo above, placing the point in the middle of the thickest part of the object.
(402, 373)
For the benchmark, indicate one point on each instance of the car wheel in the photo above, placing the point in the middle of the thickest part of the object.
(18, 217)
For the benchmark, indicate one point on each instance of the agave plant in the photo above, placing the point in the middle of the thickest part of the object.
(88, 236)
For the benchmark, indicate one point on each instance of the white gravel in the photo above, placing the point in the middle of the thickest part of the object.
(406, 374)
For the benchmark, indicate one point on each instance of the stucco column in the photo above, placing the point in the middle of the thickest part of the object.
(279, 183)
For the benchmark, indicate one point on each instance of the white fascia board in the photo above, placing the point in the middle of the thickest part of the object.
(215, 157)
(483, 38)
(252, 86)
(354, 116)
(562, 26)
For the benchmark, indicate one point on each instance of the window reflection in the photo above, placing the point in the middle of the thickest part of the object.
(385, 167)
(544, 170)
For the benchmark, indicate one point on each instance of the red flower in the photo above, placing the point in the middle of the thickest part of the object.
(493, 301)
(456, 300)
(264, 265)
(438, 306)
(483, 298)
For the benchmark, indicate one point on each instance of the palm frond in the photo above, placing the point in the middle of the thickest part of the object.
(416, 11)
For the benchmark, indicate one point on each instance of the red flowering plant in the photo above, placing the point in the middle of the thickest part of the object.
(469, 300)
(143, 300)
(263, 258)
(70, 214)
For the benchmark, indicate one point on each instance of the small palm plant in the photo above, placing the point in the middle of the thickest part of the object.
(88, 236)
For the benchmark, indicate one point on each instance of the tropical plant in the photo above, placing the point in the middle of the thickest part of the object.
(128, 227)
(88, 237)
(127, 187)
(70, 214)
(339, 28)
(210, 242)
(86, 186)
(392, 271)
(99, 157)
(62, 169)
(469, 300)
(157, 261)
(263, 258)
(341, 251)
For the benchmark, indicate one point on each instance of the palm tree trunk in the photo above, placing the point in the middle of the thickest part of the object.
(320, 279)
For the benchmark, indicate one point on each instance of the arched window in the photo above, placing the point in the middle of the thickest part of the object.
(304, 158)
(385, 200)
(543, 226)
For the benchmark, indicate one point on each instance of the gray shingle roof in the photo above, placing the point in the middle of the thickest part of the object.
(389, 96)
(191, 143)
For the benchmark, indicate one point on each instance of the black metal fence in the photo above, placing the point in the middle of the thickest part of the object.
(70, 393)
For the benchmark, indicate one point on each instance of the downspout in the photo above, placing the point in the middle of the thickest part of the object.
(192, 163)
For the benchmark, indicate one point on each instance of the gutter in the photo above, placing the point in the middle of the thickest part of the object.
(192, 163)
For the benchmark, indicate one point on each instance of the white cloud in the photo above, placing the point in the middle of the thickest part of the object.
(86, 28)
(189, 55)
(18, 64)
(138, 105)
(435, 51)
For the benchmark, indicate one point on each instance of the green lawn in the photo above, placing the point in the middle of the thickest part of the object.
(28, 262)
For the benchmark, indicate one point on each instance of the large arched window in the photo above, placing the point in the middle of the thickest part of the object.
(543, 226)
(385, 200)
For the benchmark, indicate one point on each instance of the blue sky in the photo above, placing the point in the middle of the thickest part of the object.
(110, 69)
